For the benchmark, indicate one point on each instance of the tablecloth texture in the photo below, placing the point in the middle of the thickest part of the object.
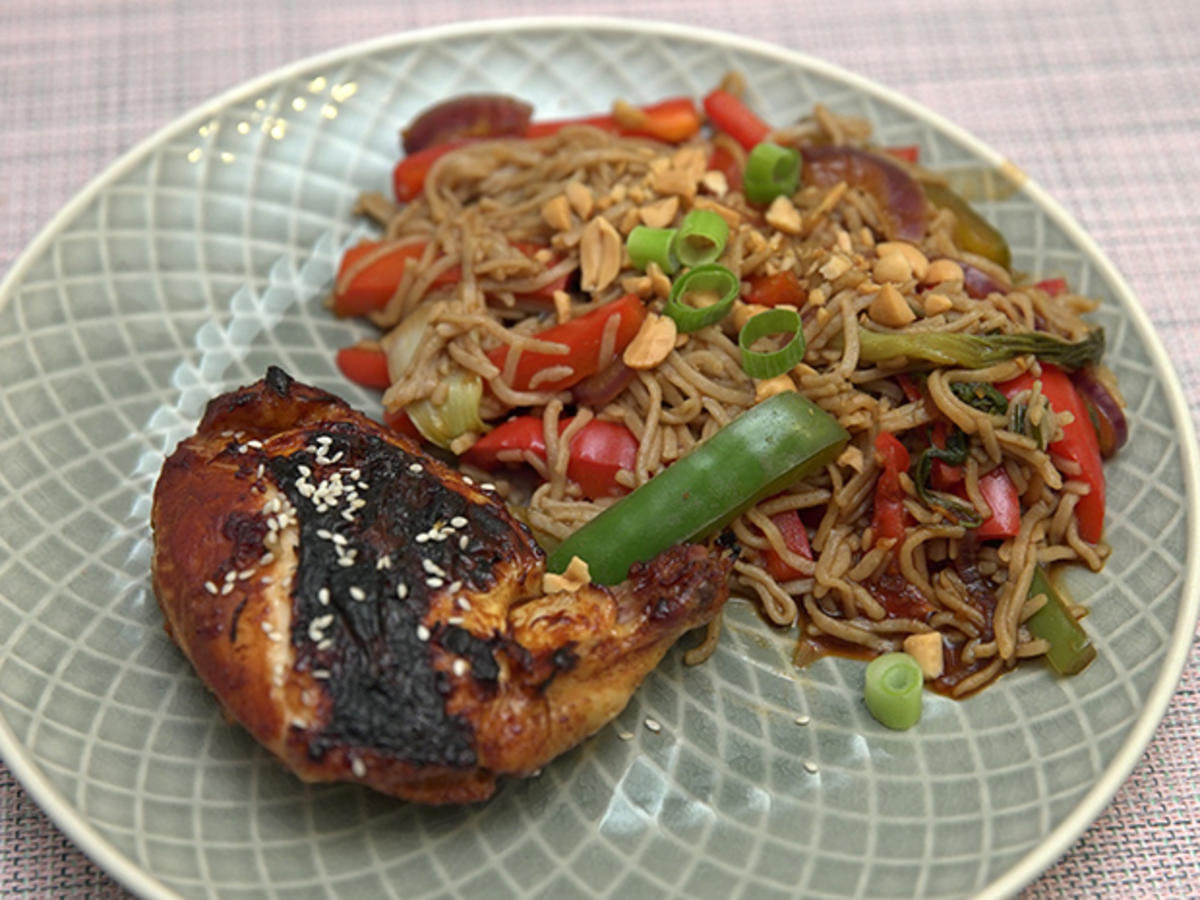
(1097, 99)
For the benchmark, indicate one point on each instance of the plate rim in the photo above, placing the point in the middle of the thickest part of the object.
(72, 821)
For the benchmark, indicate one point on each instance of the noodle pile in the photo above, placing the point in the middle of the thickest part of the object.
(484, 200)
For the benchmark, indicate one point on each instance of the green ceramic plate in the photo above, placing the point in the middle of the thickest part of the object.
(202, 257)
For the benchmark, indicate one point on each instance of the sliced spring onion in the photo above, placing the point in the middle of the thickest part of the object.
(701, 237)
(653, 245)
(762, 451)
(771, 171)
(768, 364)
(702, 296)
(1070, 651)
(894, 689)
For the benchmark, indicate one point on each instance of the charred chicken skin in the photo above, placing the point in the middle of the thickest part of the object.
(371, 615)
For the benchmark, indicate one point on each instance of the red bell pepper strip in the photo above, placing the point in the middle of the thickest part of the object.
(400, 422)
(1078, 443)
(889, 518)
(910, 153)
(365, 364)
(729, 114)
(408, 178)
(584, 337)
(1053, 286)
(795, 538)
(773, 290)
(942, 475)
(1001, 496)
(671, 121)
(597, 451)
(371, 288)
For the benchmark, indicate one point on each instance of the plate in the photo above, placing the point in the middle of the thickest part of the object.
(203, 255)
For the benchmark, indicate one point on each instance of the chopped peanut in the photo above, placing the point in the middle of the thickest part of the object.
(628, 115)
(917, 261)
(936, 304)
(926, 649)
(557, 213)
(783, 215)
(691, 160)
(893, 267)
(637, 284)
(769, 387)
(890, 308)
(943, 270)
(715, 183)
(835, 267)
(816, 297)
(629, 220)
(571, 580)
(652, 344)
(743, 312)
(600, 250)
(659, 282)
(674, 181)
(580, 197)
(660, 213)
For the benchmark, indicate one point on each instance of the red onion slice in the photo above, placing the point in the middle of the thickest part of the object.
(1112, 428)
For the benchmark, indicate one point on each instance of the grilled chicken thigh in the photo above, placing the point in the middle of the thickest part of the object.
(369, 614)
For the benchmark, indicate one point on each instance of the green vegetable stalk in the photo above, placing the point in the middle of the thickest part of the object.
(975, 351)
(1070, 651)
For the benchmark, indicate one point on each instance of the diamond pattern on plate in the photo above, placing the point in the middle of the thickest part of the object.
(206, 259)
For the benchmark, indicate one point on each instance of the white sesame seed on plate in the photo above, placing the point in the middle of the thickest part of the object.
(459, 522)
(624, 735)
(323, 596)
(402, 590)
(434, 582)
(229, 576)
(210, 587)
(803, 720)
(810, 767)
(358, 593)
(227, 589)
(422, 633)
(653, 725)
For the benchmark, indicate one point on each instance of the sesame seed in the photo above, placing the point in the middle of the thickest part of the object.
(333, 459)
(810, 767)
(325, 534)
(416, 467)
(266, 579)
(266, 559)
(460, 667)
(261, 471)
(431, 567)
(245, 574)
(434, 582)
(256, 445)
(422, 633)
(358, 593)
(321, 674)
(362, 485)
(422, 538)
(227, 589)
(454, 620)
(803, 720)
(304, 470)
(467, 479)
(463, 603)
(325, 644)
(275, 637)
(210, 587)
(229, 576)
(324, 439)
(459, 522)
(340, 540)
(323, 596)
(653, 725)
(462, 542)
(402, 591)
(348, 515)
(358, 768)
(345, 561)
(624, 735)
(384, 562)
(324, 621)
(266, 627)
(487, 486)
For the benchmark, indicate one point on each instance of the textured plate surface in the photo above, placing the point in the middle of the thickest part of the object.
(203, 256)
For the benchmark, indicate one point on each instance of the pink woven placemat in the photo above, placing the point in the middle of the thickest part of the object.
(1097, 99)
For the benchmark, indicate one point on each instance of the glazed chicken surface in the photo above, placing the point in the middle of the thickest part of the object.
(371, 615)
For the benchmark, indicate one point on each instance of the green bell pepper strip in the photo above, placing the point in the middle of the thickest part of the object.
(1070, 651)
(756, 455)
